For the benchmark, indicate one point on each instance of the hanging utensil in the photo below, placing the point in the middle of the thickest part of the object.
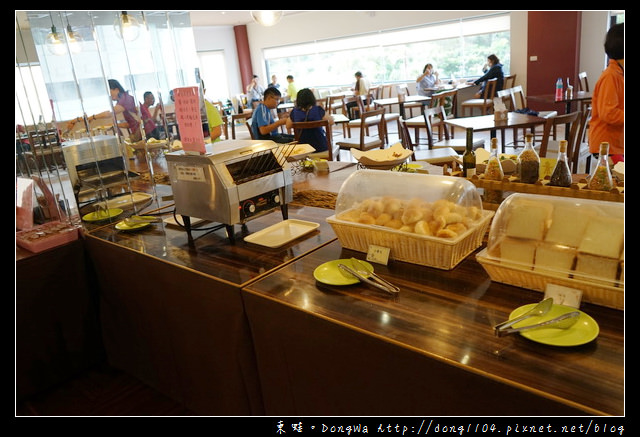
(540, 309)
(564, 321)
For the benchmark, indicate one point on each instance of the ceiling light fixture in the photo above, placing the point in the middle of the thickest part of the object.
(127, 27)
(54, 41)
(267, 18)
(73, 38)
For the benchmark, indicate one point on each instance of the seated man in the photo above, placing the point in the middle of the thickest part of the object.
(264, 126)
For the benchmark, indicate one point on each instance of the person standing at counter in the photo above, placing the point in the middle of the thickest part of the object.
(492, 70)
(263, 123)
(427, 81)
(607, 104)
(125, 105)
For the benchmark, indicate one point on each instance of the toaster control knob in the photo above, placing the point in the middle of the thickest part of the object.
(276, 198)
(249, 207)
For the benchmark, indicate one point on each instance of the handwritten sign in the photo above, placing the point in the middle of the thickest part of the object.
(189, 120)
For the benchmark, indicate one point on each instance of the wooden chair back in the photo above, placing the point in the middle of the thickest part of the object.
(572, 120)
(575, 150)
(509, 81)
(429, 113)
(244, 116)
(507, 98)
(583, 82)
(364, 141)
(299, 126)
(350, 99)
(490, 90)
(405, 138)
(440, 99)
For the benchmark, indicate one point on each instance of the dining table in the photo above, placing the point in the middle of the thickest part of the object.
(489, 123)
(577, 97)
(400, 100)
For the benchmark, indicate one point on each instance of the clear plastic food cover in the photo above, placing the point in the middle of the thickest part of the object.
(436, 221)
(560, 236)
(409, 202)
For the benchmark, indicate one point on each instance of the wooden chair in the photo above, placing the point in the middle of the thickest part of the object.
(459, 145)
(485, 104)
(225, 119)
(333, 151)
(549, 143)
(583, 85)
(519, 101)
(365, 142)
(248, 123)
(580, 149)
(385, 91)
(509, 81)
(334, 103)
(448, 100)
(436, 156)
(246, 116)
(404, 89)
(363, 104)
(583, 82)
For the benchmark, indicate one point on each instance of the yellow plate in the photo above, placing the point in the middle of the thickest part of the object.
(330, 273)
(97, 216)
(585, 330)
(122, 226)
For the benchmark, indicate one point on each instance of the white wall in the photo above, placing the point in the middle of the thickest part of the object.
(315, 25)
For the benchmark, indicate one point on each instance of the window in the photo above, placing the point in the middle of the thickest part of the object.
(213, 72)
(456, 49)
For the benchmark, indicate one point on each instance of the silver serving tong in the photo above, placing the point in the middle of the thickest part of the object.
(137, 220)
(564, 321)
(365, 276)
(540, 309)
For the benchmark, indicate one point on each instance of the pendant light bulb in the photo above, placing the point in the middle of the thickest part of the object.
(73, 39)
(55, 42)
(127, 27)
(266, 18)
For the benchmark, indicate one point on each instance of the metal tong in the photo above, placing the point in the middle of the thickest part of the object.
(564, 321)
(140, 219)
(369, 277)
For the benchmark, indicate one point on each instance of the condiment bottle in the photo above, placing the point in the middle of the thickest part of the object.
(528, 162)
(559, 93)
(469, 156)
(493, 172)
(561, 175)
(600, 178)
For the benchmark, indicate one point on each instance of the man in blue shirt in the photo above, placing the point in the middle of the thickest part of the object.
(263, 124)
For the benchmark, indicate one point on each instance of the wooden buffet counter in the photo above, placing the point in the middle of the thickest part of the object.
(331, 350)
(172, 314)
(246, 330)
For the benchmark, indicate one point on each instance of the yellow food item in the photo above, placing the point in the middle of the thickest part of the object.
(442, 218)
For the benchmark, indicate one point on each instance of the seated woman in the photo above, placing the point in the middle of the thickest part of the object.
(307, 110)
(492, 70)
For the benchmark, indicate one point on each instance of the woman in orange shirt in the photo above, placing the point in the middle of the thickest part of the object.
(607, 105)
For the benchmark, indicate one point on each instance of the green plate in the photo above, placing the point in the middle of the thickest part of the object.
(97, 216)
(585, 330)
(330, 273)
(122, 226)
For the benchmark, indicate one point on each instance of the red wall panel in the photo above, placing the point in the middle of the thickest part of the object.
(554, 38)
